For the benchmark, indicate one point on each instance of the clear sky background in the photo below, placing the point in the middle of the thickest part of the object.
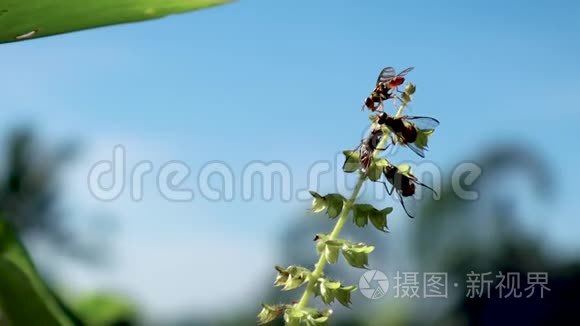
(284, 80)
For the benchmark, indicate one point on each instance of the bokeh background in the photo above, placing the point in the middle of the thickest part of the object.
(284, 81)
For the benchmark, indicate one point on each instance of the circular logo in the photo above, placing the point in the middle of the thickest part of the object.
(373, 284)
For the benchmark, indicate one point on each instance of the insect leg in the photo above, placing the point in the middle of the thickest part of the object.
(398, 98)
(426, 186)
(404, 208)
(393, 139)
(390, 192)
(383, 149)
(380, 107)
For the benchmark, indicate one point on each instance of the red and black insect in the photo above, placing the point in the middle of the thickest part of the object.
(368, 146)
(406, 129)
(404, 183)
(387, 83)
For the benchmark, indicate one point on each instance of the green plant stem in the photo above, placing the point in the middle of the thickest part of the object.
(319, 267)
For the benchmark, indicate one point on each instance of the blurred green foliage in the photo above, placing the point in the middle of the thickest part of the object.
(24, 298)
(106, 309)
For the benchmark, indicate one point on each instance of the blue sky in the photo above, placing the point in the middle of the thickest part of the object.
(272, 80)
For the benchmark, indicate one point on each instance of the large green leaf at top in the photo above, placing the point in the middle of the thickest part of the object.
(24, 298)
(28, 19)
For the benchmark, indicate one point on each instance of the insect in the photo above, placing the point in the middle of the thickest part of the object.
(409, 131)
(368, 146)
(402, 181)
(387, 82)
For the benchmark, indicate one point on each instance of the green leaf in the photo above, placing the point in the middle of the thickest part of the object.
(331, 285)
(361, 248)
(326, 294)
(331, 290)
(291, 277)
(320, 239)
(320, 321)
(361, 214)
(269, 313)
(282, 276)
(356, 260)
(327, 290)
(423, 137)
(376, 169)
(405, 169)
(352, 161)
(343, 295)
(291, 321)
(294, 316)
(382, 163)
(309, 316)
(318, 202)
(293, 283)
(317, 318)
(328, 248)
(357, 254)
(332, 202)
(361, 220)
(331, 253)
(102, 308)
(27, 19)
(320, 318)
(24, 298)
(379, 218)
(335, 204)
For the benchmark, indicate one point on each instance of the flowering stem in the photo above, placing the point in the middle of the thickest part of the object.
(319, 267)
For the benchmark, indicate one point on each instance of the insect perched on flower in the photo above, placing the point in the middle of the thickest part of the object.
(366, 161)
(367, 148)
(387, 83)
(412, 132)
(403, 182)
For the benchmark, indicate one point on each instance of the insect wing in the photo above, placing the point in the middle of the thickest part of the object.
(423, 122)
(409, 203)
(412, 204)
(386, 74)
(405, 72)
(416, 149)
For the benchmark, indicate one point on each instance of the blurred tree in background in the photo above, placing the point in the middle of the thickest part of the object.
(28, 187)
(30, 177)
